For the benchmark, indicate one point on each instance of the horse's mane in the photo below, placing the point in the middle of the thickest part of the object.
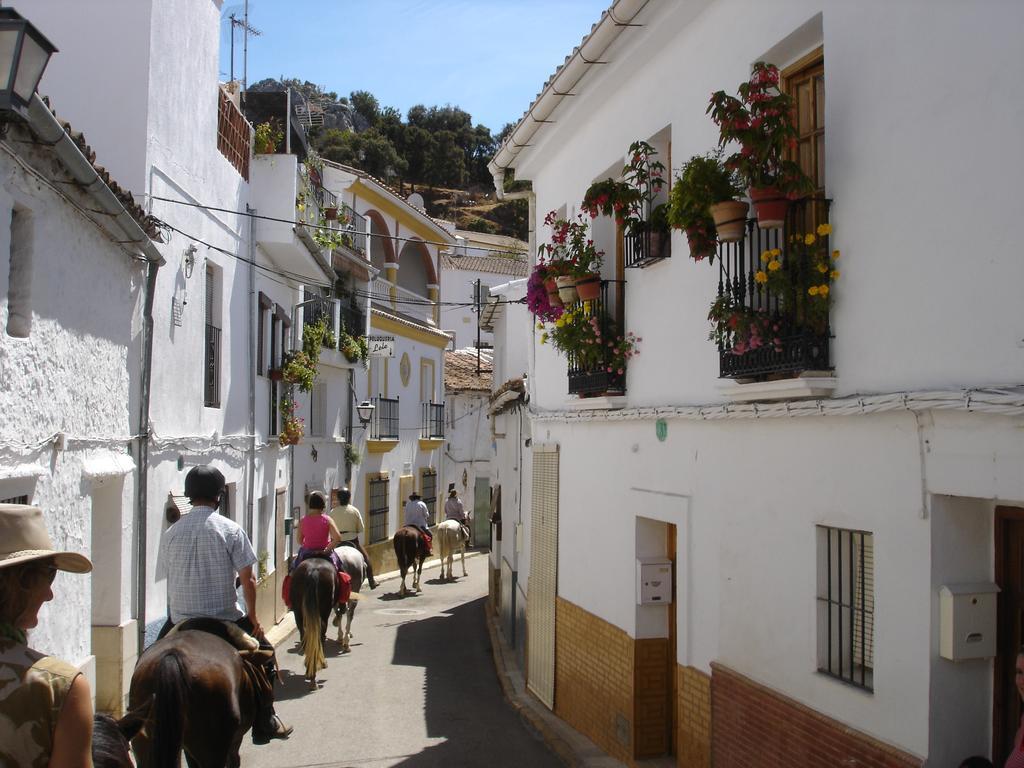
(109, 746)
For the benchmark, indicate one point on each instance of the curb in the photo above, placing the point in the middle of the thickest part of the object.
(571, 747)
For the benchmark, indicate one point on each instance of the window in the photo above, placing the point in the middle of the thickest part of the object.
(15, 500)
(211, 371)
(428, 491)
(846, 605)
(261, 331)
(19, 285)
(317, 410)
(805, 82)
(377, 507)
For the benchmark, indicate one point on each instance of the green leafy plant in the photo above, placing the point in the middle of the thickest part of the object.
(300, 370)
(352, 455)
(802, 278)
(571, 250)
(266, 138)
(292, 426)
(329, 238)
(262, 559)
(647, 176)
(702, 182)
(610, 198)
(354, 348)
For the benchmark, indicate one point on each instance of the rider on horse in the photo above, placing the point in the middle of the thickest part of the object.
(318, 535)
(454, 509)
(418, 516)
(349, 521)
(202, 553)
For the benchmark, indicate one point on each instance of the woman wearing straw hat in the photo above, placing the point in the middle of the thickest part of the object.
(45, 703)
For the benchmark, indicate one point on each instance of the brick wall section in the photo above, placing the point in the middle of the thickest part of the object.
(754, 725)
(594, 679)
(693, 737)
(652, 702)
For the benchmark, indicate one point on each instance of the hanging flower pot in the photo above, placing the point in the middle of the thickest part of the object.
(730, 220)
(554, 299)
(550, 285)
(701, 245)
(331, 214)
(275, 374)
(588, 286)
(770, 205)
(567, 289)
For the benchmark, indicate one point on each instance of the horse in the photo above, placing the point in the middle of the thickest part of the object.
(354, 565)
(110, 738)
(411, 551)
(452, 536)
(312, 596)
(203, 701)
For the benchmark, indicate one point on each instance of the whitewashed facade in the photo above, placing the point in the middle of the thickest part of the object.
(915, 440)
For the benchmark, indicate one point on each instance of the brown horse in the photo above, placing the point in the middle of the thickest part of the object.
(110, 738)
(411, 551)
(312, 596)
(203, 701)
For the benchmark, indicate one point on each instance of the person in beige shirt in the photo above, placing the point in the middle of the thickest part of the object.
(350, 524)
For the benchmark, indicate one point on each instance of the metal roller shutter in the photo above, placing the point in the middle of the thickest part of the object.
(540, 604)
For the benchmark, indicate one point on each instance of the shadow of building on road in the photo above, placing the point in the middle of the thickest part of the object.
(462, 697)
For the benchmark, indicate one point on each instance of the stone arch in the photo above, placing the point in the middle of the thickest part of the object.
(415, 267)
(382, 247)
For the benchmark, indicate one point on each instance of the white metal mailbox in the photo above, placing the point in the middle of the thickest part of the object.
(653, 580)
(967, 621)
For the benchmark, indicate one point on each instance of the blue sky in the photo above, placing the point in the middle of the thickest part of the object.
(489, 57)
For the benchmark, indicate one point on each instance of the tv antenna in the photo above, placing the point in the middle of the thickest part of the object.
(247, 29)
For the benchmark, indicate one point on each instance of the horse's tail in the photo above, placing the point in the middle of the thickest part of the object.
(400, 543)
(169, 711)
(312, 642)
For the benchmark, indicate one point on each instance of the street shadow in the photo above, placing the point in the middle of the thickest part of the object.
(463, 700)
(388, 597)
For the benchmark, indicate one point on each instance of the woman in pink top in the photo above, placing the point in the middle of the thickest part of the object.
(317, 532)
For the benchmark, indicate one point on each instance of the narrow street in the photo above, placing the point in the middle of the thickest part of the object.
(418, 689)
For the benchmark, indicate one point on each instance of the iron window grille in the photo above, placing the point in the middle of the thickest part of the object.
(588, 376)
(323, 309)
(646, 247)
(352, 319)
(428, 480)
(796, 345)
(846, 605)
(384, 425)
(15, 500)
(432, 427)
(378, 512)
(211, 389)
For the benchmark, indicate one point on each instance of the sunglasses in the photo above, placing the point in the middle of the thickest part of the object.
(47, 572)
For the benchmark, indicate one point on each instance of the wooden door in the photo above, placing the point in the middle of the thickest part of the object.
(482, 513)
(673, 669)
(1009, 561)
(280, 566)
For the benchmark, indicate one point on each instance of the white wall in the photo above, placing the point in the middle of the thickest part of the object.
(467, 446)
(457, 286)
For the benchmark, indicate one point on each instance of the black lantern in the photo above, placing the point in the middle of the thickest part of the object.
(24, 53)
(365, 411)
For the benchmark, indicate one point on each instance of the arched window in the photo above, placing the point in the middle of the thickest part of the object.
(382, 248)
(415, 267)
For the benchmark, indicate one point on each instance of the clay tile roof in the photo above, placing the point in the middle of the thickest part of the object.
(460, 371)
(500, 265)
(149, 224)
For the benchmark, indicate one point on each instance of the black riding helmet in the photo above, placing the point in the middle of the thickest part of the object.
(206, 483)
(344, 496)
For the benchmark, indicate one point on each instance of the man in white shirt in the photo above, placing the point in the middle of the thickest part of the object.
(350, 524)
(418, 516)
(455, 510)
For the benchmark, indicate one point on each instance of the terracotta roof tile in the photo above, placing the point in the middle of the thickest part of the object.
(460, 371)
(500, 265)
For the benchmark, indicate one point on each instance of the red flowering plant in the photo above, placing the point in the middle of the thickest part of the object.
(761, 122)
(631, 201)
(537, 293)
(571, 250)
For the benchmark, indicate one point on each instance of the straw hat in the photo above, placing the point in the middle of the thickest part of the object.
(23, 538)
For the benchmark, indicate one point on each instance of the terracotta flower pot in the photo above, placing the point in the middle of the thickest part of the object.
(730, 220)
(589, 286)
(701, 245)
(770, 205)
(550, 285)
(331, 214)
(275, 374)
(567, 289)
(554, 299)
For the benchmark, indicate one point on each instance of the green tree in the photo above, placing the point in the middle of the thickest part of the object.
(366, 104)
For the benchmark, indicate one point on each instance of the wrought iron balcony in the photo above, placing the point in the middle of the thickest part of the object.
(647, 247)
(792, 340)
(384, 425)
(589, 374)
(353, 321)
(211, 371)
(432, 425)
(355, 224)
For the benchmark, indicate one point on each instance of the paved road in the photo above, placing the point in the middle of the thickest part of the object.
(418, 689)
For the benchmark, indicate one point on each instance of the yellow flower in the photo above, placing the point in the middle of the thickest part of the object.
(809, 239)
(824, 229)
(543, 338)
(835, 254)
(813, 290)
(540, 326)
(823, 268)
(775, 252)
(774, 265)
(766, 256)
(834, 274)
(823, 290)
(761, 276)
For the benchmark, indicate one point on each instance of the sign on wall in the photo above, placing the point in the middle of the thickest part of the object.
(381, 346)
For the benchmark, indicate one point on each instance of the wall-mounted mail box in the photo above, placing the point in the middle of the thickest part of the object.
(967, 621)
(653, 581)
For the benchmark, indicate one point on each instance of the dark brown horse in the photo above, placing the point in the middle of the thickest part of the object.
(110, 738)
(203, 701)
(312, 596)
(411, 551)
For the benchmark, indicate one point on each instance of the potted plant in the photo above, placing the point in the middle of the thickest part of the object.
(331, 213)
(266, 137)
(275, 374)
(292, 428)
(610, 198)
(573, 258)
(702, 184)
(802, 277)
(352, 455)
(644, 218)
(542, 293)
(761, 122)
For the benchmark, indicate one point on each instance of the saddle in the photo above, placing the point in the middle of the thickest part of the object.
(247, 646)
(342, 588)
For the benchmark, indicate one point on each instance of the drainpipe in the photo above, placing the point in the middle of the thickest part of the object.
(125, 230)
(253, 314)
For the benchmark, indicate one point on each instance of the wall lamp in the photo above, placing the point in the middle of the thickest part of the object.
(365, 411)
(24, 54)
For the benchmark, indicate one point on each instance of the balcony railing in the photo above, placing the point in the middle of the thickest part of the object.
(355, 223)
(645, 248)
(796, 342)
(211, 372)
(407, 302)
(587, 375)
(320, 310)
(433, 421)
(353, 321)
(384, 425)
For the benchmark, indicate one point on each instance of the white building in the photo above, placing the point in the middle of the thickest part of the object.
(467, 450)
(903, 445)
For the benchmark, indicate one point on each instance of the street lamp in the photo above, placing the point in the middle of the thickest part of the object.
(365, 411)
(24, 53)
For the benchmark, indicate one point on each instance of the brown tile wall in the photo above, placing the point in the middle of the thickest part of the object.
(754, 725)
(693, 736)
(652, 705)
